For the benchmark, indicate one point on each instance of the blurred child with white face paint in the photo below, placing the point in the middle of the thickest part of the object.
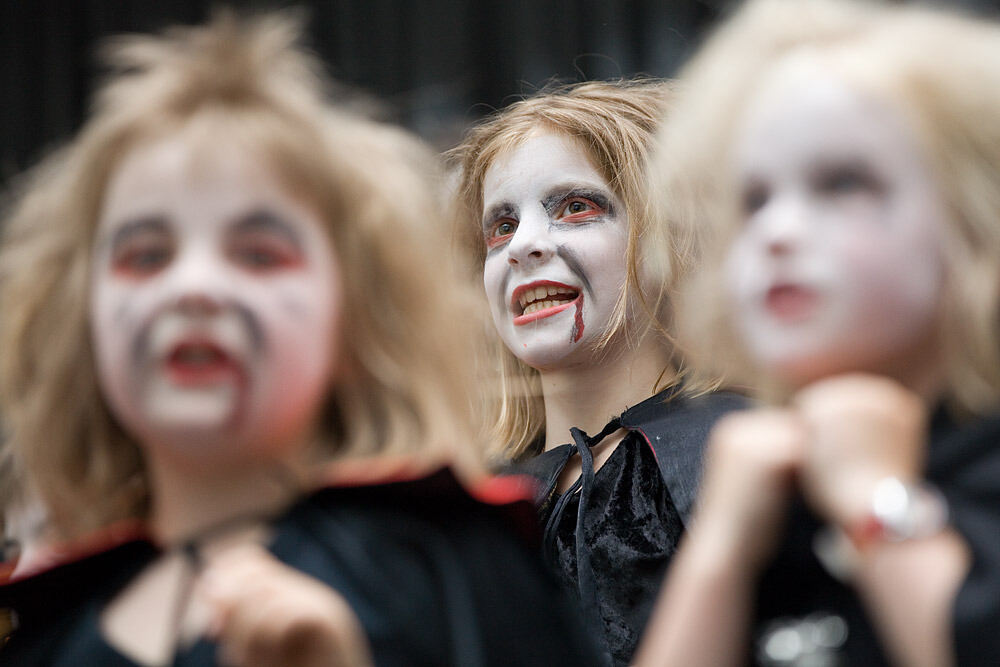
(552, 205)
(222, 352)
(847, 162)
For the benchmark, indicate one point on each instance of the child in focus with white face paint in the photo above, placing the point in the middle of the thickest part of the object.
(225, 377)
(552, 207)
(845, 160)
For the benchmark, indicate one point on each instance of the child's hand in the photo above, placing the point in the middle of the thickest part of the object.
(861, 429)
(752, 460)
(266, 613)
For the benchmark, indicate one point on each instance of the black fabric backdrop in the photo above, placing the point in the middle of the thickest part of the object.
(438, 64)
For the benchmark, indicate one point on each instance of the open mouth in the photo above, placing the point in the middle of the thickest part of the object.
(542, 299)
(790, 302)
(192, 363)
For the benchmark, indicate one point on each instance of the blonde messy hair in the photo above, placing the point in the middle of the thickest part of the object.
(614, 122)
(940, 71)
(404, 383)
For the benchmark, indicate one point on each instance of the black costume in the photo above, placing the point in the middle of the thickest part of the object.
(807, 617)
(610, 536)
(435, 576)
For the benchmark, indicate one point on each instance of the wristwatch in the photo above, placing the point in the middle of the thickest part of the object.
(898, 511)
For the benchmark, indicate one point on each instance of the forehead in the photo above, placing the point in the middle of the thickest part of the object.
(188, 174)
(807, 107)
(542, 158)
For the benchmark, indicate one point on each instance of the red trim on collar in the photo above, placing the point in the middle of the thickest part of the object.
(504, 490)
(63, 553)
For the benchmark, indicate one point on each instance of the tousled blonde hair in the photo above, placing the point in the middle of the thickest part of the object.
(614, 122)
(404, 382)
(940, 71)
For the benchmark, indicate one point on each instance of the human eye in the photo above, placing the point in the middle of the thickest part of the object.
(846, 180)
(754, 197)
(500, 232)
(264, 253)
(142, 257)
(578, 209)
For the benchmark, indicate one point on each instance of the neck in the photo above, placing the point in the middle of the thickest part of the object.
(588, 396)
(190, 500)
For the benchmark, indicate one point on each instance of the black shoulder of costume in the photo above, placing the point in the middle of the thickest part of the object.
(436, 574)
(48, 605)
(676, 428)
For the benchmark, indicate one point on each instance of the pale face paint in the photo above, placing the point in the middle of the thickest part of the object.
(838, 264)
(215, 302)
(556, 236)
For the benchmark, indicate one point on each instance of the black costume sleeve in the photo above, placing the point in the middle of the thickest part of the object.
(967, 469)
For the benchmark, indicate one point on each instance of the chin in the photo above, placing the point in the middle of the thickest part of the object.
(549, 357)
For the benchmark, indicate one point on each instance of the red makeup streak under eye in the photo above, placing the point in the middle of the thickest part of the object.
(130, 268)
(593, 211)
(494, 241)
(585, 215)
(266, 260)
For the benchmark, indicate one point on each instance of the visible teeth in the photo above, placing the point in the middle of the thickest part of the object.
(542, 305)
(538, 298)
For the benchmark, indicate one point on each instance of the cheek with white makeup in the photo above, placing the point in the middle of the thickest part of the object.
(214, 306)
(837, 266)
(556, 238)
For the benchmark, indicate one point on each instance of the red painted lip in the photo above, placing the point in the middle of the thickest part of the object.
(545, 312)
(213, 365)
(790, 302)
(515, 301)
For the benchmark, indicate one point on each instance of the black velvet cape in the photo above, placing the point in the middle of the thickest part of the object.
(436, 577)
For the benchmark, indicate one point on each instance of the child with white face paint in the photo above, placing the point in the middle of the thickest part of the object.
(222, 351)
(552, 206)
(850, 176)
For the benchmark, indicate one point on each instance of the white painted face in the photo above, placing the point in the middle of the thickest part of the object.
(837, 266)
(215, 302)
(556, 236)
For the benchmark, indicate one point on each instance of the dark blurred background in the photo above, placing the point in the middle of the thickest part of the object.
(437, 64)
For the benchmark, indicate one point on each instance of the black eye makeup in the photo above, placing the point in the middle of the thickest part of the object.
(851, 177)
(262, 241)
(578, 205)
(754, 197)
(141, 247)
(499, 223)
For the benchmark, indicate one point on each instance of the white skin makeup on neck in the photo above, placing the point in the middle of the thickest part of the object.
(215, 302)
(556, 237)
(837, 266)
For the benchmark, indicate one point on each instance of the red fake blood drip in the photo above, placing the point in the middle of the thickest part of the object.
(578, 321)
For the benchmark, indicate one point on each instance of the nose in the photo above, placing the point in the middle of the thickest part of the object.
(197, 282)
(532, 243)
(782, 225)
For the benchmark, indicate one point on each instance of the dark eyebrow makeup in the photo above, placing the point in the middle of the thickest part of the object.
(497, 211)
(263, 220)
(151, 224)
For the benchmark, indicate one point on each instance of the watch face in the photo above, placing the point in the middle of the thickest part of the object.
(907, 511)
